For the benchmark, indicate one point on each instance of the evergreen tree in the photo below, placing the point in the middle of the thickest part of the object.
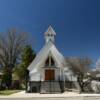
(27, 57)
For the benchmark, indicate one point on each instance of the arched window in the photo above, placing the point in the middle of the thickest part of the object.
(50, 62)
(47, 62)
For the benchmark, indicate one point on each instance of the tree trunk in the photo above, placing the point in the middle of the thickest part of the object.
(80, 81)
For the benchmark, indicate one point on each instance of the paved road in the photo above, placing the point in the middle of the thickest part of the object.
(51, 98)
(43, 98)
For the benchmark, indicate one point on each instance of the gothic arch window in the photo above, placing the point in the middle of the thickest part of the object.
(52, 62)
(49, 61)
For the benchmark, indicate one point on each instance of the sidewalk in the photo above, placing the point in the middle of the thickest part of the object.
(23, 94)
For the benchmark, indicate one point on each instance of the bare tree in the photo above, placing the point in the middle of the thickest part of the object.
(11, 46)
(81, 67)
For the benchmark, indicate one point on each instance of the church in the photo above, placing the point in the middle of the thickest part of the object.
(49, 71)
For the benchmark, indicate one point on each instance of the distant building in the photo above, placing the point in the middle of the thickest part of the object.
(95, 73)
(49, 72)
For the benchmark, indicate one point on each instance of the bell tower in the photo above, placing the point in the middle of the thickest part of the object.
(50, 35)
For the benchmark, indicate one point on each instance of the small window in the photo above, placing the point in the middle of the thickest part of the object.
(48, 34)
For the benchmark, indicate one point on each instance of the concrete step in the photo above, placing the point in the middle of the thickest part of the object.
(50, 87)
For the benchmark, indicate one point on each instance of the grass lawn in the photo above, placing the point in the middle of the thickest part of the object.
(8, 92)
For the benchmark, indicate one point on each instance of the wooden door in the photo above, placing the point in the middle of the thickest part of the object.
(49, 74)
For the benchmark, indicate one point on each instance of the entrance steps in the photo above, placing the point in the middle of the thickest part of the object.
(50, 87)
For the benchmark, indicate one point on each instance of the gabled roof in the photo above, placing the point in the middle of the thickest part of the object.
(43, 54)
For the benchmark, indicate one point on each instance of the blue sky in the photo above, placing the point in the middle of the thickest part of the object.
(76, 22)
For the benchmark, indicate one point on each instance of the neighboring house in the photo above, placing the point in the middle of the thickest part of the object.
(95, 82)
(49, 72)
(95, 78)
(95, 74)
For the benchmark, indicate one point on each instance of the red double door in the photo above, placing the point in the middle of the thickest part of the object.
(49, 74)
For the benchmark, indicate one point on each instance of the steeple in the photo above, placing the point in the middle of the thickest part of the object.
(50, 35)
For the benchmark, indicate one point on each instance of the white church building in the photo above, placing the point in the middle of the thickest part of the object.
(49, 71)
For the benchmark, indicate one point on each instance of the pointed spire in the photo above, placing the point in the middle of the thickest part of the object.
(50, 35)
(50, 31)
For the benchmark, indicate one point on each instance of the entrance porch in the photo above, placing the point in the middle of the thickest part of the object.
(53, 82)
